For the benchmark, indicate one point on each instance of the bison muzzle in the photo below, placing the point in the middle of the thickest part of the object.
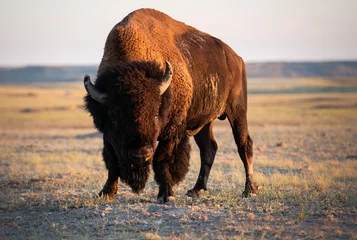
(160, 82)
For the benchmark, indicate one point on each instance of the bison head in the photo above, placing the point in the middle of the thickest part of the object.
(129, 104)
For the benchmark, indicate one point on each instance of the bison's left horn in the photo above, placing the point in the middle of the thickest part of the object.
(92, 91)
(166, 79)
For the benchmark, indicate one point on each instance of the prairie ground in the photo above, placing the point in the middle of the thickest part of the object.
(305, 162)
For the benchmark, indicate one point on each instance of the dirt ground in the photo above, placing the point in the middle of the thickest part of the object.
(305, 162)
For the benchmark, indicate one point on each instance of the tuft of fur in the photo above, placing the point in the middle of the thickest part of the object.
(180, 161)
(174, 168)
(98, 112)
(121, 76)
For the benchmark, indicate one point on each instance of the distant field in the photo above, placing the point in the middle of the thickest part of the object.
(302, 85)
(305, 156)
(290, 70)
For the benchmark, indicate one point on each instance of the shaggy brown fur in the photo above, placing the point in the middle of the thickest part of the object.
(209, 82)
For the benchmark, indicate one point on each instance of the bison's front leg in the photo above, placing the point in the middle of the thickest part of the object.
(208, 148)
(170, 165)
(110, 188)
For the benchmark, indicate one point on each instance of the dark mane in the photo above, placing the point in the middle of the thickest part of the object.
(112, 79)
(111, 75)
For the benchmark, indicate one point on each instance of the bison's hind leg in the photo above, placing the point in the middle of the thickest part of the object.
(208, 148)
(246, 154)
(171, 169)
(238, 121)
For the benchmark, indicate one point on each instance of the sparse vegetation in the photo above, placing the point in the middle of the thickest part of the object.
(305, 164)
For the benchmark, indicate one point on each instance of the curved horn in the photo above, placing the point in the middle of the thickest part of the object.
(92, 91)
(166, 80)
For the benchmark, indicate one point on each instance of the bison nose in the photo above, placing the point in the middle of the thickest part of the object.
(142, 154)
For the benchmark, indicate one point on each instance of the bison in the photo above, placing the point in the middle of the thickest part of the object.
(159, 82)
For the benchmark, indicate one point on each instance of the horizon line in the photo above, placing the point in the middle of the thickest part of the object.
(97, 64)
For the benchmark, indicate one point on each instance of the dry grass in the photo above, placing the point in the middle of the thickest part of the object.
(28, 107)
(51, 172)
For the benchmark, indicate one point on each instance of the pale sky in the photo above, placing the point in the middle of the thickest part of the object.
(73, 32)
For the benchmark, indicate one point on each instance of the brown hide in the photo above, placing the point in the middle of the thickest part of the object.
(207, 73)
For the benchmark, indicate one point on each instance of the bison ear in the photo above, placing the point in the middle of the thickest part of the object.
(166, 80)
(92, 91)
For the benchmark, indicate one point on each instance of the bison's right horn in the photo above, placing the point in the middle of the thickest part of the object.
(92, 91)
(166, 79)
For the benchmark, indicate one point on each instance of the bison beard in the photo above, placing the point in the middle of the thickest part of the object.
(134, 175)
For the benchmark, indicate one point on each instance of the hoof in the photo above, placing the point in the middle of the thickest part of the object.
(250, 190)
(193, 193)
(248, 194)
(106, 196)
